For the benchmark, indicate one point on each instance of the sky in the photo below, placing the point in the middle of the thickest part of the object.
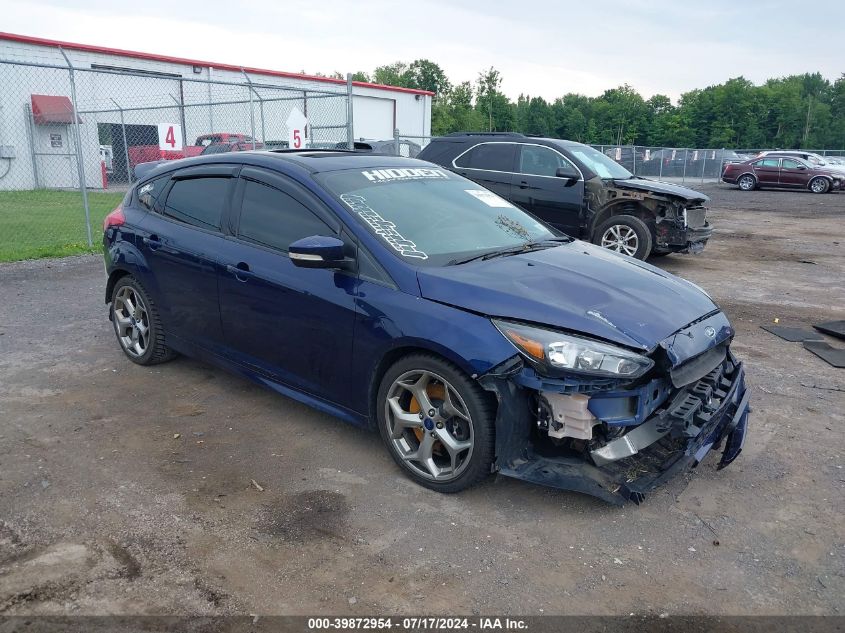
(544, 49)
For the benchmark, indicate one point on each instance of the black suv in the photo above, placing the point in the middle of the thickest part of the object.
(580, 191)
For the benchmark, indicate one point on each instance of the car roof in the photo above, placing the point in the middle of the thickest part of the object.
(504, 137)
(311, 160)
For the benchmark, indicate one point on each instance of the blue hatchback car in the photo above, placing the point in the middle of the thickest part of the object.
(400, 296)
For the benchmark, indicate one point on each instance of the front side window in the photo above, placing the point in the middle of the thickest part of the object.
(541, 161)
(198, 201)
(431, 217)
(274, 219)
(789, 163)
(489, 156)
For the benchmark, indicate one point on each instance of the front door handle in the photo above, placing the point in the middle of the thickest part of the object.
(241, 271)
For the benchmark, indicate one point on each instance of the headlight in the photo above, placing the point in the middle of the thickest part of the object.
(573, 353)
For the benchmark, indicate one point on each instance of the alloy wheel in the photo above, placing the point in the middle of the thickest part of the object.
(429, 425)
(819, 185)
(131, 320)
(621, 238)
(746, 183)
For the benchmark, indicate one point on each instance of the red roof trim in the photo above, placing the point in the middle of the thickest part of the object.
(40, 41)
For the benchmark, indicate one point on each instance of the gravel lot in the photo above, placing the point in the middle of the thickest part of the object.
(125, 489)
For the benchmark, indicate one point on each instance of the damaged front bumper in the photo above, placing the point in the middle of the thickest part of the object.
(708, 414)
(670, 238)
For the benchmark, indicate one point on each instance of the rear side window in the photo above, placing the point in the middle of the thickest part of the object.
(149, 192)
(275, 219)
(198, 201)
(490, 156)
(768, 162)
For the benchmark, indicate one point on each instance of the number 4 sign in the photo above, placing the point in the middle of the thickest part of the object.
(296, 123)
(170, 136)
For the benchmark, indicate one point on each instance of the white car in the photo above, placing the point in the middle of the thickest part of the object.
(816, 160)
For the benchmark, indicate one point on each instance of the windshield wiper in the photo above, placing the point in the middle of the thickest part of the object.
(513, 250)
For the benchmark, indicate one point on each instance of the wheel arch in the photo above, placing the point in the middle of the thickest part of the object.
(823, 177)
(623, 207)
(748, 173)
(116, 275)
(394, 354)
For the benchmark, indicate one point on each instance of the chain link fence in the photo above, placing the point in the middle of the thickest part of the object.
(71, 138)
(685, 165)
(672, 164)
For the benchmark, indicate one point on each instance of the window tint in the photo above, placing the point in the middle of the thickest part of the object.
(768, 162)
(149, 192)
(273, 218)
(198, 201)
(492, 156)
(541, 161)
(789, 163)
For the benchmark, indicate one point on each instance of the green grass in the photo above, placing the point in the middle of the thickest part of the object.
(46, 223)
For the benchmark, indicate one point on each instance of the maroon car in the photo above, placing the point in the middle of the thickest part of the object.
(788, 173)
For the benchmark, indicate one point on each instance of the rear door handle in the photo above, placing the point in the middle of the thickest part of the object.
(153, 242)
(241, 271)
(523, 185)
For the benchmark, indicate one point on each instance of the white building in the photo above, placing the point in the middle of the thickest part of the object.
(124, 97)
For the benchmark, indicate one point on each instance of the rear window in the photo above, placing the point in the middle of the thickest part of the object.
(489, 156)
(198, 201)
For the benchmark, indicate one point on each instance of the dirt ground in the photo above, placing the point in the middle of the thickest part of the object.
(129, 490)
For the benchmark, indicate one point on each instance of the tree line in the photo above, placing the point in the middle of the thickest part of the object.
(798, 111)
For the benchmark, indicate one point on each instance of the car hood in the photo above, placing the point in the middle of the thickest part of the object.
(655, 186)
(576, 287)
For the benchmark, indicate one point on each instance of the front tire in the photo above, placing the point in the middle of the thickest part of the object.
(819, 185)
(137, 324)
(747, 182)
(625, 234)
(437, 423)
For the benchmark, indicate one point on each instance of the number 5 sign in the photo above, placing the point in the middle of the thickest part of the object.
(170, 136)
(296, 123)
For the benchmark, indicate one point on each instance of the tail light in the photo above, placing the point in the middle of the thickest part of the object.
(114, 219)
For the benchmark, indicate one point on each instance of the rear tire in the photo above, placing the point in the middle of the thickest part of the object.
(450, 450)
(819, 185)
(747, 182)
(137, 324)
(625, 234)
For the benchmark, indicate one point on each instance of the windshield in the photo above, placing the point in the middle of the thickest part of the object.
(597, 162)
(432, 217)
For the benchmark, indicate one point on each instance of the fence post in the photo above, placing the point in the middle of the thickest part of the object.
(350, 130)
(251, 109)
(80, 167)
(125, 144)
(721, 167)
(30, 121)
(662, 158)
(684, 174)
(703, 166)
(396, 141)
(634, 158)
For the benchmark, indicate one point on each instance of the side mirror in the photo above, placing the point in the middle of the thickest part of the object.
(802, 167)
(570, 176)
(319, 251)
